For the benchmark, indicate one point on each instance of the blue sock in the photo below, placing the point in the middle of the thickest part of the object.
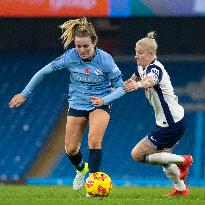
(94, 161)
(77, 161)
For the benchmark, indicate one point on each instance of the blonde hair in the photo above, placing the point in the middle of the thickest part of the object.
(77, 27)
(149, 42)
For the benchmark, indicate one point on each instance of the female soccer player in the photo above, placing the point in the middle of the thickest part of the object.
(156, 147)
(92, 73)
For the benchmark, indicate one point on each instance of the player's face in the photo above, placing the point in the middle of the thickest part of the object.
(85, 47)
(143, 57)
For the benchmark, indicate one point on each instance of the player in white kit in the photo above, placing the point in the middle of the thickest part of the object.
(156, 147)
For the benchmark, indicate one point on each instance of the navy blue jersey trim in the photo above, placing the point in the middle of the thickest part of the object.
(164, 104)
(153, 61)
(137, 74)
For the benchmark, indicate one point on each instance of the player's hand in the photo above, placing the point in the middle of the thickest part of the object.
(130, 85)
(128, 81)
(16, 101)
(96, 101)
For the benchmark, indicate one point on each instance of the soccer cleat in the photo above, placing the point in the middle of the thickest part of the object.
(88, 195)
(78, 181)
(184, 166)
(178, 193)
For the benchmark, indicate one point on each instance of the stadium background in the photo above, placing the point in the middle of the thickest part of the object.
(32, 136)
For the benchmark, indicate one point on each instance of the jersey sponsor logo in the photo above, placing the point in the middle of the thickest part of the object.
(97, 71)
(88, 79)
(87, 71)
(114, 70)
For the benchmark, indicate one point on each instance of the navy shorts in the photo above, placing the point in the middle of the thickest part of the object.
(167, 137)
(85, 113)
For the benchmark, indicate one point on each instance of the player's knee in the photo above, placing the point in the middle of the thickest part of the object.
(94, 142)
(137, 156)
(71, 150)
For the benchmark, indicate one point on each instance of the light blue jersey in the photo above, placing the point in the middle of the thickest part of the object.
(95, 77)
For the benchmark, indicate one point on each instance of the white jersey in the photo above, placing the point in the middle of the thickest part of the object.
(161, 96)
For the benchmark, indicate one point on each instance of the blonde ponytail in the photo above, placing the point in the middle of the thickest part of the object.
(151, 35)
(77, 27)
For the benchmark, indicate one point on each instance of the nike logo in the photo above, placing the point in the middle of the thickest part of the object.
(153, 138)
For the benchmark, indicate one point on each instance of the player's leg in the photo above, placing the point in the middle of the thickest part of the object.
(142, 150)
(183, 162)
(75, 128)
(163, 140)
(146, 152)
(98, 122)
(173, 173)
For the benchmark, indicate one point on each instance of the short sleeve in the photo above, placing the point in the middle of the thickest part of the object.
(111, 68)
(155, 73)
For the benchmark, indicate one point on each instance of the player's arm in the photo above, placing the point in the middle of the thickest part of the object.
(133, 85)
(114, 75)
(117, 93)
(56, 65)
(151, 79)
(19, 99)
(135, 77)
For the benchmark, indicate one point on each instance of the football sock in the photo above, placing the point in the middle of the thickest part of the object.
(173, 173)
(163, 158)
(94, 160)
(77, 161)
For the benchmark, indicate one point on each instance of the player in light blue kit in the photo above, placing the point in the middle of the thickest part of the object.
(93, 73)
(156, 147)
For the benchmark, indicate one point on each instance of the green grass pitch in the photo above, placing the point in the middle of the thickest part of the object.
(120, 195)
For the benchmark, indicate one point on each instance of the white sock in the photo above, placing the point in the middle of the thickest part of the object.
(173, 173)
(163, 158)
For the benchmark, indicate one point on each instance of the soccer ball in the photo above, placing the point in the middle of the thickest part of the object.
(98, 184)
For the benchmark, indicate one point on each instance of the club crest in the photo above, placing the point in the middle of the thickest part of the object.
(97, 71)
